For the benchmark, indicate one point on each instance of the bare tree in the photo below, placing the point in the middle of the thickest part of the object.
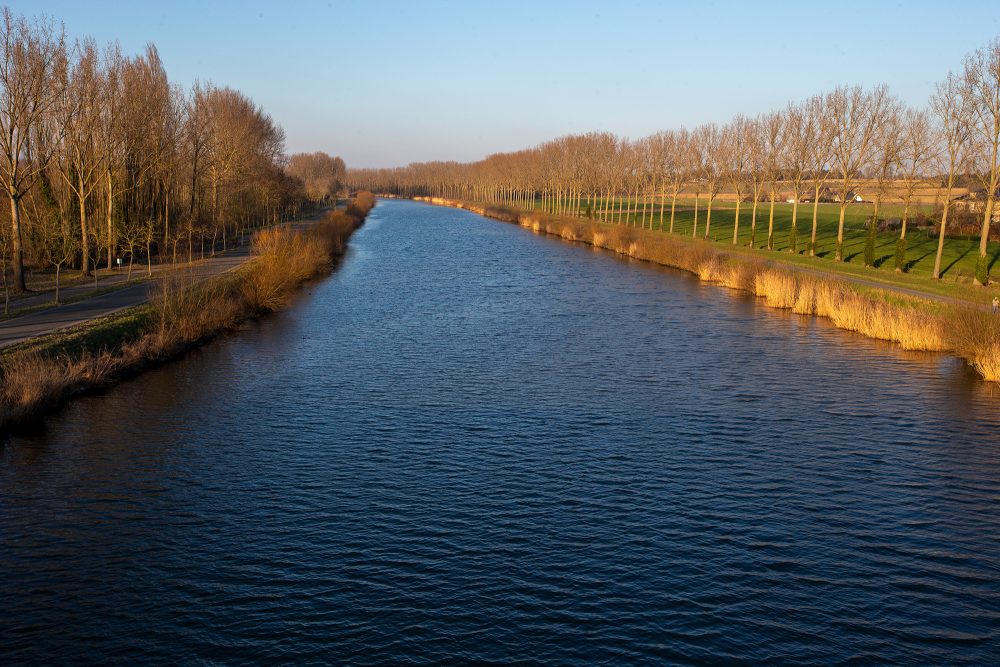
(982, 85)
(917, 151)
(32, 56)
(801, 130)
(711, 146)
(322, 174)
(737, 160)
(820, 157)
(54, 246)
(756, 170)
(886, 154)
(857, 115)
(773, 128)
(81, 111)
(677, 173)
(951, 107)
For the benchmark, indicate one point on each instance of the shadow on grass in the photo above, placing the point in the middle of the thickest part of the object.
(993, 260)
(955, 261)
(879, 261)
(913, 262)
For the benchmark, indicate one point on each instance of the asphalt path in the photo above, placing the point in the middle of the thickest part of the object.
(41, 322)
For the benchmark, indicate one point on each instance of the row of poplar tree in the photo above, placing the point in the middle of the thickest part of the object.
(828, 145)
(102, 155)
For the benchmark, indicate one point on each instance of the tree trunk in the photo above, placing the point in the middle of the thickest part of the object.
(736, 221)
(673, 206)
(840, 230)
(812, 239)
(6, 289)
(17, 254)
(982, 265)
(770, 223)
(84, 236)
(872, 232)
(944, 224)
(901, 241)
(166, 218)
(111, 238)
(793, 233)
(694, 229)
(753, 222)
(708, 216)
(663, 206)
(645, 197)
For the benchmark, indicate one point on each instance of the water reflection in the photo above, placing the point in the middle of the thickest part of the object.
(474, 444)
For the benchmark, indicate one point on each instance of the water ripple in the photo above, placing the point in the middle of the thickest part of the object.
(476, 445)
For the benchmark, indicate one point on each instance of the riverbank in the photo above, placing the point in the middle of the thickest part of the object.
(912, 322)
(185, 312)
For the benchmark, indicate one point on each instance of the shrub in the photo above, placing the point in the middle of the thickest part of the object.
(976, 336)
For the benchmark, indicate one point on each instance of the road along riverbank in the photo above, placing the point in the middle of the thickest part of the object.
(185, 311)
(926, 323)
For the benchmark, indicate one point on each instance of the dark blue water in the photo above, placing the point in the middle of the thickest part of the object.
(474, 444)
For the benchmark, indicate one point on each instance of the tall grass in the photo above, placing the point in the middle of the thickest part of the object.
(912, 323)
(182, 313)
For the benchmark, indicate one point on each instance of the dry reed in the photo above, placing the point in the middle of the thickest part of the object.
(183, 312)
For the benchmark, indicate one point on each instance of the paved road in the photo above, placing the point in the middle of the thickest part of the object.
(45, 321)
(41, 322)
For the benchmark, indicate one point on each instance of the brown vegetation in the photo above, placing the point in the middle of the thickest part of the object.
(182, 314)
(913, 324)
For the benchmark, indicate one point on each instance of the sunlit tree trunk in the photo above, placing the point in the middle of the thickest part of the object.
(694, 229)
(944, 226)
(770, 223)
(815, 223)
(736, 222)
(111, 237)
(793, 234)
(84, 235)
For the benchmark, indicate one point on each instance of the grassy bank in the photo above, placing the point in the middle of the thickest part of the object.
(911, 322)
(959, 256)
(42, 373)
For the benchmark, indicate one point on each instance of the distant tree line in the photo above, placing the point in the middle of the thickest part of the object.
(102, 155)
(824, 146)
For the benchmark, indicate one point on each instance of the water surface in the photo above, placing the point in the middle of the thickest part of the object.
(474, 444)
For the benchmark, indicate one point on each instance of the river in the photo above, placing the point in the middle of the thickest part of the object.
(476, 444)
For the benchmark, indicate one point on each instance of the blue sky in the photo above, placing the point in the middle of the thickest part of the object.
(386, 83)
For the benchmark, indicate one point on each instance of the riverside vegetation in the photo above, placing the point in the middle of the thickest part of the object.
(910, 322)
(43, 372)
(834, 150)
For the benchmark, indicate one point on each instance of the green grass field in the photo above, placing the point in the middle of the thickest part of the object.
(958, 260)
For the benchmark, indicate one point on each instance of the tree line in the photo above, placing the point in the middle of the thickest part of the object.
(102, 155)
(823, 147)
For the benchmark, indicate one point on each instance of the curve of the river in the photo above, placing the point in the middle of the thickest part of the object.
(473, 444)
